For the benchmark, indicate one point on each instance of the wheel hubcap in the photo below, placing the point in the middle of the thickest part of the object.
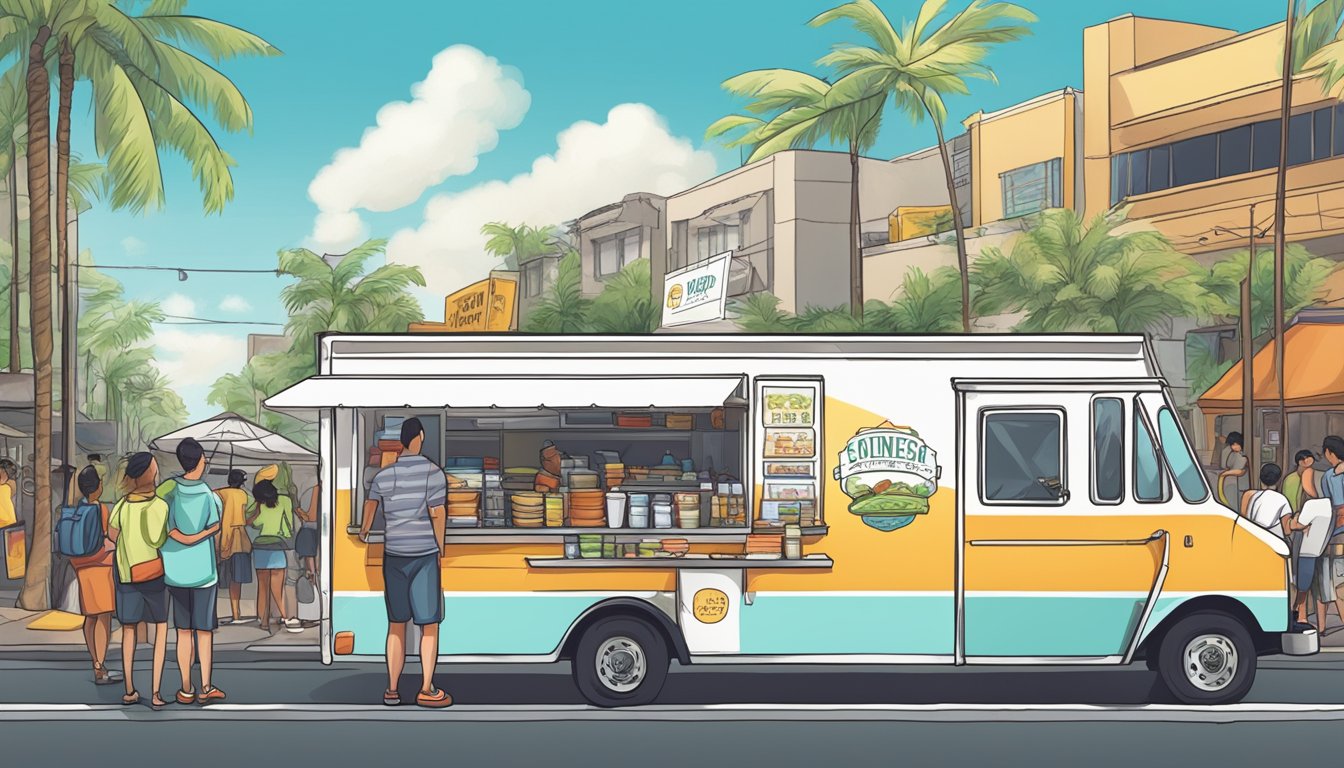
(621, 664)
(1210, 662)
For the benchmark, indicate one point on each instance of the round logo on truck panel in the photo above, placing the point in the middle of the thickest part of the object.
(710, 606)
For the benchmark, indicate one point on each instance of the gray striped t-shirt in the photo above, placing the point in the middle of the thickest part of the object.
(406, 490)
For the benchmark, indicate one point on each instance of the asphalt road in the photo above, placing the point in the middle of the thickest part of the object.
(974, 730)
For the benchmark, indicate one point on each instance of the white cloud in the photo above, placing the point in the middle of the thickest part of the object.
(235, 303)
(133, 246)
(178, 304)
(197, 359)
(593, 165)
(455, 115)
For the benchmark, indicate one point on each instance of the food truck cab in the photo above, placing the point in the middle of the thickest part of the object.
(620, 502)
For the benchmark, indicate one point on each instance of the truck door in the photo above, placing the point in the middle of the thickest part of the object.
(1057, 563)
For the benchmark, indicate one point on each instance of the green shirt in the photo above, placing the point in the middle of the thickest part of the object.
(1292, 489)
(142, 525)
(277, 521)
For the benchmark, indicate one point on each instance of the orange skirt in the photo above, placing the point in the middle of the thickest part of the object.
(97, 593)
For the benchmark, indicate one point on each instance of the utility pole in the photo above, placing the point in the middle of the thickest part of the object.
(1247, 383)
(1280, 236)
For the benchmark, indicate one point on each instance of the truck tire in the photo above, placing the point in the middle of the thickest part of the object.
(620, 662)
(1207, 658)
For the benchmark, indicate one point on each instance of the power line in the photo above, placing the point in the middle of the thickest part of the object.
(180, 270)
(188, 320)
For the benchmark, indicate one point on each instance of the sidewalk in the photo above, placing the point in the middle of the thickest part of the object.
(16, 636)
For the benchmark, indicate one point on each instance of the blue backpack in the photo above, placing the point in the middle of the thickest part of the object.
(79, 531)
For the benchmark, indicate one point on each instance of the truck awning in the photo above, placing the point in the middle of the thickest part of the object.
(514, 392)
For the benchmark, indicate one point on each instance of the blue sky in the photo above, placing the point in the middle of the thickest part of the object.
(344, 60)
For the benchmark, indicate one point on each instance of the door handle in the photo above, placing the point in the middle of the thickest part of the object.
(1189, 541)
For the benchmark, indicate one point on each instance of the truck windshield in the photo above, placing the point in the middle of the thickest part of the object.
(1180, 461)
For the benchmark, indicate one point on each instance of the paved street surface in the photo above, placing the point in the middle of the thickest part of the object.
(749, 716)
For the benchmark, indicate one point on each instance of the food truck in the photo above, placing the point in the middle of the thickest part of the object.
(621, 502)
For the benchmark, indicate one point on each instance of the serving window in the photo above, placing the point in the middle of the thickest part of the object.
(557, 465)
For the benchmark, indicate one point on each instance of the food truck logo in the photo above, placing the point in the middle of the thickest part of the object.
(709, 606)
(674, 296)
(889, 472)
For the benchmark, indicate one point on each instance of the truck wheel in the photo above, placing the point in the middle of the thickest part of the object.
(620, 662)
(1207, 658)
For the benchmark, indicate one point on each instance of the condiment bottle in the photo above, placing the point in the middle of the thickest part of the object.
(793, 542)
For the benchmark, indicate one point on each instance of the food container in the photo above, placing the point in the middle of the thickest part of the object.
(571, 547)
(680, 421)
(615, 510)
(662, 513)
(582, 479)
(550, 458)
(546, 482)
(639, 510)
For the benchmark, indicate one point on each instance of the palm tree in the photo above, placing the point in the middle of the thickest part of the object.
(515, 245)
(142, 84)
(626, 303)
(919, 65)
(564, 308)
(336, 294)
(1304, 284)
(1067, 276)
(1318, 43)
(804, 110)
(927, 304)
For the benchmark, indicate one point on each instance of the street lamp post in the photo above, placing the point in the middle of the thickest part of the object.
(1280, 202)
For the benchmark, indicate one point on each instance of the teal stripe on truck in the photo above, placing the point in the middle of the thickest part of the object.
(524, 624)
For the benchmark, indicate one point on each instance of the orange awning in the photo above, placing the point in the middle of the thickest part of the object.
(1314, 366)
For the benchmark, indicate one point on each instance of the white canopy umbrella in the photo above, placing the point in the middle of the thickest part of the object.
(245, 442)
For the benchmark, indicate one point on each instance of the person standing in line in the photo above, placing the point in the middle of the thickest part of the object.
(138, 526)
(412, 492)
(1265, 506)
(235, 546)
(272, 514)
(1332, 487)
(1298, 488)
(9, 473)
(307, 541)
(189, 569)
(97, 587)
(1232, 480)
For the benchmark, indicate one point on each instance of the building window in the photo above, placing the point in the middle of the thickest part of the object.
(1032, 188)
(1194, 160)
(532, 279)
(1312, 136)
(611, 254)
(717, 238)
(1234, 151)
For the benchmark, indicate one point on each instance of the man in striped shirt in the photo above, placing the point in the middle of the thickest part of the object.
(412, 492)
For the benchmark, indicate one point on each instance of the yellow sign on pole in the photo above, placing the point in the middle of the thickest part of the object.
(488, 305)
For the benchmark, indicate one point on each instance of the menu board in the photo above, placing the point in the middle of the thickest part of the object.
(790, 444)
(788, 406)
(789, 450)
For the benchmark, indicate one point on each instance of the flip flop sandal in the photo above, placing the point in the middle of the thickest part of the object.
(186, 698)
(131, 698)
(157, 703)
(391, 697)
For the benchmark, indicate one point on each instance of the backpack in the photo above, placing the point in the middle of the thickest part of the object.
(79, 531)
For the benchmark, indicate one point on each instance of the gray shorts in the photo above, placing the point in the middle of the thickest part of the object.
(412, 589)
(1323, 585)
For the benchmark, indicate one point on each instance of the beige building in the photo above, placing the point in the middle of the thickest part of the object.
(615, 235)
(786, 219)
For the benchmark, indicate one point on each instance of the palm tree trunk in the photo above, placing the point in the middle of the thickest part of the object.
(15, 350)
(1280, 236)
(855, 253)
(963, 265)
(36, 589)
(69, 406)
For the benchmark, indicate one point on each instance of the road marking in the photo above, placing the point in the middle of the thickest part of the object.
(931, 713)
